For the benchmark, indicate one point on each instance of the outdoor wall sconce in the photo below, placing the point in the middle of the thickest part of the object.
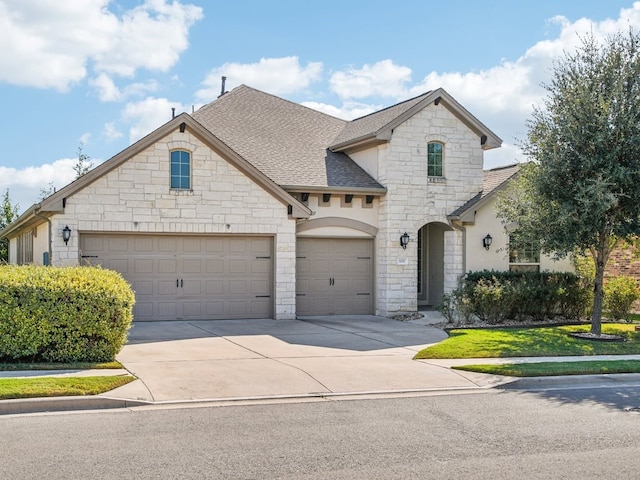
(486, 242)
(66, 234)
(404, 240)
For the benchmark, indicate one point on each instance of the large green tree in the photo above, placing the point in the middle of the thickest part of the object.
(8, 213)
(582, 189)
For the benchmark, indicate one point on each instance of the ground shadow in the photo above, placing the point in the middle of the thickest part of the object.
(358, 333)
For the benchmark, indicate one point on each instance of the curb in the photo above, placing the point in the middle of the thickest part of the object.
(573, 381)
(63, 404)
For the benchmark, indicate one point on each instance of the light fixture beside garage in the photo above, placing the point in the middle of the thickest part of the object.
(486, 241)
(66, 234)
(404, 240)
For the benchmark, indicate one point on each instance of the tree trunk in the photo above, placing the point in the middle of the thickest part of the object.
(600, 258)
(598, 296)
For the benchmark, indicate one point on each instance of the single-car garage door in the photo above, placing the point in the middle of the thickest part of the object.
(189, 277)
(334, 276)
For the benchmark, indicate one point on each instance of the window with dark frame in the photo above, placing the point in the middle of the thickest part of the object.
(180, 170)
(434, 159)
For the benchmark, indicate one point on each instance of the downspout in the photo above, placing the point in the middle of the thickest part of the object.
(48, 220)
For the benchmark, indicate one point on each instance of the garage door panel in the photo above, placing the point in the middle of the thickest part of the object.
(214, 266)
(143, 266)
(167, 244)
(236, 266)
(143, 287)
(192, 266)
(190, 277)
(166, 287)
(166, 265)
(335, 276)
(142, 244)
(192, 309)
(214, 287)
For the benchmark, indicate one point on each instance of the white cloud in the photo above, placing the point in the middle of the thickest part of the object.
(106, 88)
(25, 184)
(278, 76)
(111, 132)
(502, 97)
(48, 44)
(85, 138)
(383, 78)
(348, 111)
(108, 91)
(147, 115)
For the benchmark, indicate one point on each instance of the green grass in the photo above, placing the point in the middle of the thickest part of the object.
(532, 342)
(11, 388)
(542, 369)
(12, 367)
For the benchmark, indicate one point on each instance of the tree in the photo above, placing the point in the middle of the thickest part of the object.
(8, 213)
(83, 164)
(581, 190)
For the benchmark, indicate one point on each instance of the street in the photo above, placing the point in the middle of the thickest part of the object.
(497, 434)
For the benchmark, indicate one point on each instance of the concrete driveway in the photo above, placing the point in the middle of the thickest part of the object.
(312, 356)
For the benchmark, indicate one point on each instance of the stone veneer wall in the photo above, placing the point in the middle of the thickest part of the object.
(136, 198)
(413, 200)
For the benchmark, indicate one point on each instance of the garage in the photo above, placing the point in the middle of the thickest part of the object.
(334, 276)
(189, 277)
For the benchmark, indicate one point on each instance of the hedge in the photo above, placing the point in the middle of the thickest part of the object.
(495, 296)
(63, 314)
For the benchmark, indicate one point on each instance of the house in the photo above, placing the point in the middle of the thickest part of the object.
(257, 207)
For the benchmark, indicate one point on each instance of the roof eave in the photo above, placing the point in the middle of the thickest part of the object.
(377, 191)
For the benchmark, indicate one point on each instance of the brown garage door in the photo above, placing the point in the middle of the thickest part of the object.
(189, 277)
(334, 276)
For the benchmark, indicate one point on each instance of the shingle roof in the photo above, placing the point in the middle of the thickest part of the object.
(493, 179)
(286, 141)
(369, 124)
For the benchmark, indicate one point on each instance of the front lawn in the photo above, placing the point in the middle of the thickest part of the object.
(11, 388)
(542, 369)
(532, 342)
(12, 367)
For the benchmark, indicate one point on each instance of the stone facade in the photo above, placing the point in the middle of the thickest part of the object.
(414, 199)
(136, 198)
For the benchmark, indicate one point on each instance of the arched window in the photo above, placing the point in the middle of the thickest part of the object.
(434, 159)
(180, 170)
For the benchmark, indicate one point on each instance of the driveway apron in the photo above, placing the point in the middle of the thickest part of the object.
(311, 356)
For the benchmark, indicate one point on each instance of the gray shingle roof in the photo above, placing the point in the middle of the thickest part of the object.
(369, 124)
(286, 141)
(493, 179)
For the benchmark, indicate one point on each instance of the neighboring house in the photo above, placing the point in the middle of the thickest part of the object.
(257, 207)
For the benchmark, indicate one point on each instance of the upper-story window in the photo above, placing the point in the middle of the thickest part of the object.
(180, 170)
(434, 159)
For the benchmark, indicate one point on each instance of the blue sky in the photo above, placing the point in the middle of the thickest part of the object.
(105, 73)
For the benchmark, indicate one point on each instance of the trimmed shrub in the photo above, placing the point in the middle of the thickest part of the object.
(496, 296)
(619, 295)
(63, 314)
(455, 307)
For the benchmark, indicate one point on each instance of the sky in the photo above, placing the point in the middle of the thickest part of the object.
(100, 74)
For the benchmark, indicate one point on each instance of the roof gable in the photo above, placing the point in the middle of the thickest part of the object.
(378, 126)
(55, 203)
(494, 180)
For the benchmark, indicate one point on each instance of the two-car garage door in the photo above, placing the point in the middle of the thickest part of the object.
(189, 277)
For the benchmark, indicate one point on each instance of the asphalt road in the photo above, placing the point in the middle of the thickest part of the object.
(569, 434)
